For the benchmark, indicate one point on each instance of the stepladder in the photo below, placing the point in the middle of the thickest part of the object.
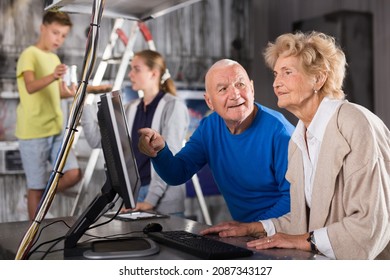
(118, 35)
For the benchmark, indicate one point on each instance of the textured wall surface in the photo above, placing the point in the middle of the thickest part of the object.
(191, 39)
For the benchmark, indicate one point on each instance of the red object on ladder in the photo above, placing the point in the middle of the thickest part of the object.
(147, 35)
(145, 32)
(122, 36)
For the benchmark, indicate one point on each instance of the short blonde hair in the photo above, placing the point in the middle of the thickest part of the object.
(318, 53)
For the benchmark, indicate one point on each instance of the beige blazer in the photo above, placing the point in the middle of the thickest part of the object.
(351, 189)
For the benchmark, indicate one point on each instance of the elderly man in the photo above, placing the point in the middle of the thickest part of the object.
(244, 143)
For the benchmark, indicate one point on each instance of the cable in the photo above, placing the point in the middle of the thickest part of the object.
(34, 250)
(74, 118)
(61, 238)
(48, 251)
(109, 237)
(105, 211)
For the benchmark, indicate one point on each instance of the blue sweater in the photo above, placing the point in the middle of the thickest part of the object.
(248, 168)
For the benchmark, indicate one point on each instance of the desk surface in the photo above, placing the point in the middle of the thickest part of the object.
(12, 233)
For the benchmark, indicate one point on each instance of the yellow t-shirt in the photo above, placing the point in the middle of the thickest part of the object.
(38, 114)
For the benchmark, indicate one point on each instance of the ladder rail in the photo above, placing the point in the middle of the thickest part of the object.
(127, 55)
(92, 160)
(107, 54)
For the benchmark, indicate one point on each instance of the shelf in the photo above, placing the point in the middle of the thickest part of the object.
(128, 9)
(9, 95)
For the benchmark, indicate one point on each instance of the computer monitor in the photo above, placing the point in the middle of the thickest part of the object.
(117, 148)
(122, 175)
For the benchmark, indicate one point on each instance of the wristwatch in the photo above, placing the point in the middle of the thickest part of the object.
(312, 241)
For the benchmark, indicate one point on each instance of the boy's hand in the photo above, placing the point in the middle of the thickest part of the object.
(66, 91)
(60, 71)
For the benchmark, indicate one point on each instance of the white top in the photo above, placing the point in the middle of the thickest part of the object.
(310, 151)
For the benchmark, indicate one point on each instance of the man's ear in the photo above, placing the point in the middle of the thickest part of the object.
(208, 101)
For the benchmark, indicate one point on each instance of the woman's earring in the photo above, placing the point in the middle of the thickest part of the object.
(315, 91)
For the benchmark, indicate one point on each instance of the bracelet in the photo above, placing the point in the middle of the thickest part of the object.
(260, 234)
(312, 241)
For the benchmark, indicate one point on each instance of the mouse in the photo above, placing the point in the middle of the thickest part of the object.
(152, 227)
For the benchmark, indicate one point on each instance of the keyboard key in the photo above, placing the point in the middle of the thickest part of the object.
(199, 245)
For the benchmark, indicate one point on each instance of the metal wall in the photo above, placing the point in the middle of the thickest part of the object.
(191, 39)
(274, 17)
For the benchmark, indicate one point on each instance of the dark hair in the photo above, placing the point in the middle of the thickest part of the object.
(154, 60)
(59, 17)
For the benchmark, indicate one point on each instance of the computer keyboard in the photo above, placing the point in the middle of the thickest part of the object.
(199, 245)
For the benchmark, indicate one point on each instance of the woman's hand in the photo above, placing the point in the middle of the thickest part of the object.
(233, 228)
(281, 240)
(140, 206)
(143, 206)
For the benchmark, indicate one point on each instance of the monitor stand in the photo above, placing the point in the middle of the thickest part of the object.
(107, 248)
(133, 247)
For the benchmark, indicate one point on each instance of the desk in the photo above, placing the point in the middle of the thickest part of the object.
(12, 233)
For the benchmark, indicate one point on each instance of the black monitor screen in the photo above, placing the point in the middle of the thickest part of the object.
(117, 148)
(122, 176)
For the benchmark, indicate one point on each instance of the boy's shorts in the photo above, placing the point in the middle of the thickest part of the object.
(36, 154)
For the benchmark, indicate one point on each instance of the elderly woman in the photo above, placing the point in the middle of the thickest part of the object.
(338, 164)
